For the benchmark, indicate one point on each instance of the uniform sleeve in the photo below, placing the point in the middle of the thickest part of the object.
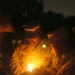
(67, 70)
(15, 65)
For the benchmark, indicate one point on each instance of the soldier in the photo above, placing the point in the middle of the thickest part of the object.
(35, 49)
(63, 45)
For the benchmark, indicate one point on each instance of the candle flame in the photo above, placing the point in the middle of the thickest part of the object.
(30, 67)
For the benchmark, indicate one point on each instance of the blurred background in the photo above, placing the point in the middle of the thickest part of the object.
(51, 13)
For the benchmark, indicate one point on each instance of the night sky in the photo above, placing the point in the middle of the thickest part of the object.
(65, 7)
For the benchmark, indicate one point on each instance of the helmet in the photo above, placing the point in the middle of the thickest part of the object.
(58, 34)
(32, 28)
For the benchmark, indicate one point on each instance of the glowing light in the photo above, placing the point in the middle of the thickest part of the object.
(30, 67)
(44, 45)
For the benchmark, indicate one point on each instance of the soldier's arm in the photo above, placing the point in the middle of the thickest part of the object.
(15, 64)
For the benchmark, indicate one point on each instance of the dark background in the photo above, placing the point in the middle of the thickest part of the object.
(51, 13)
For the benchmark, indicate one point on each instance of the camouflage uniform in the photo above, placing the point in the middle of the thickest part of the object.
(63, 44)
(29, 53)
(67, 64)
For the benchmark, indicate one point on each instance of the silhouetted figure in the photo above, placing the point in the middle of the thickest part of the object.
(34, 49)
(63, 45)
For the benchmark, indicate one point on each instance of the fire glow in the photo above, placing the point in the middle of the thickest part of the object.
(34, 60)
(30, 67)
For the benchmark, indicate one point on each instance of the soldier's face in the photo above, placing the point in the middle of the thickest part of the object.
(35, 40)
